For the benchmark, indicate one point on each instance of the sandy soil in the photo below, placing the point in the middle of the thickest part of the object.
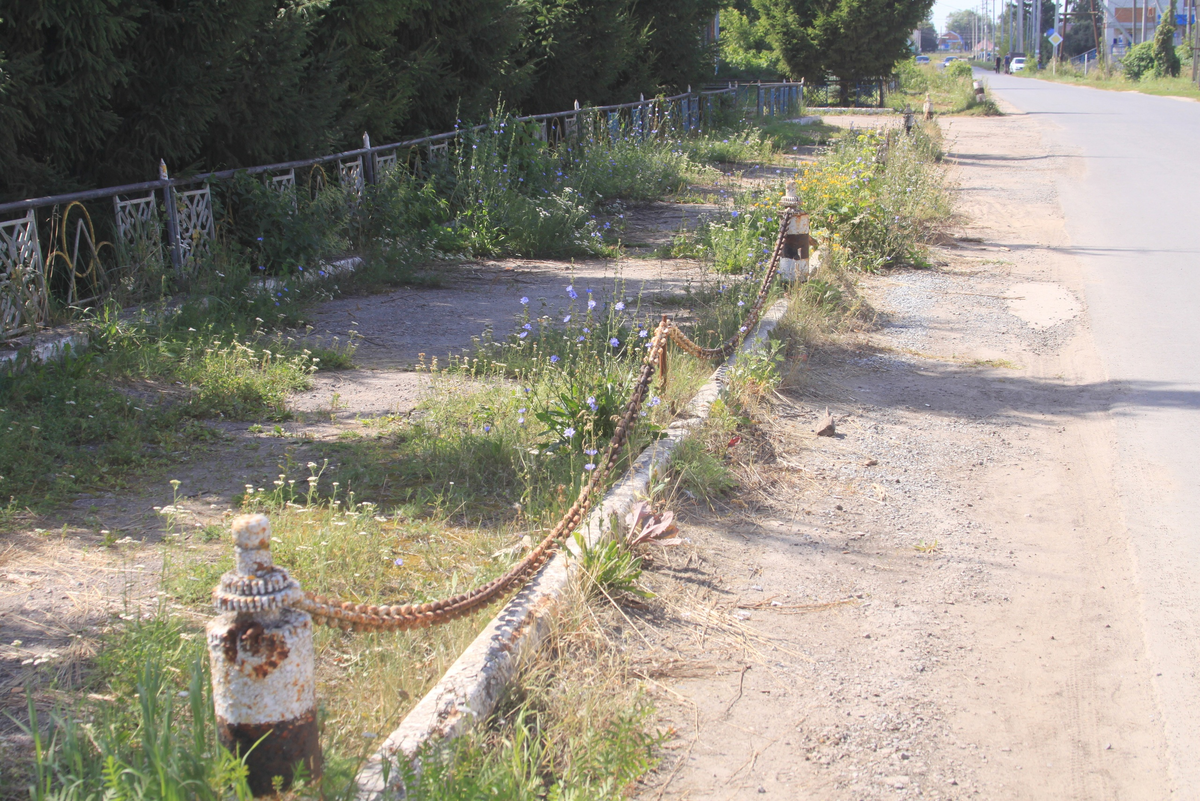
(939, 602)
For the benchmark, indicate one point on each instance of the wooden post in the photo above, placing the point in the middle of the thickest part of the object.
(172, 216)
(368, 160)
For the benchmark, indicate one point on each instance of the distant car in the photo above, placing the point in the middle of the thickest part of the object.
(1017, 65)
(922, 59)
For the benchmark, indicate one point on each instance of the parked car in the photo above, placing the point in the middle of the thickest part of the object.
(922, 59)
(1017, 65)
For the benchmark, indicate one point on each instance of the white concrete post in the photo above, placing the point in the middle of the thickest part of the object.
(262, 658)
(793, 262)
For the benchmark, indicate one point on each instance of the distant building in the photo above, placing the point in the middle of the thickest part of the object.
(1127, 23)
(950, 42)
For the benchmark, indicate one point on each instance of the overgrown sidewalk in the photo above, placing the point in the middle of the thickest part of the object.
(385, 500)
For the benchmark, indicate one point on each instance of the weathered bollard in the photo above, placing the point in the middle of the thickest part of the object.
(793, 262)
(979, 91)
(262, 664)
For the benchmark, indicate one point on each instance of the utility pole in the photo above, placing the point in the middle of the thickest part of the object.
(1195, 48)
(1020, 26)
(1037, 33)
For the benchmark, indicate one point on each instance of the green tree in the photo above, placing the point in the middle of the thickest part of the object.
(852, 39)
(967, 24)
(216, 85)
(746, 50)
(789, 28)
(419, 65)
(64, 63)
(676, 49)
(1166, 61)
(586, 50)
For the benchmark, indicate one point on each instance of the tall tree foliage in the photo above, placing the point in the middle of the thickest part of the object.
(746, 51)
(676, 49)
(967, 23)
(97, 91)
(1166, 60)
(586, 50)
(64, 64)
(852, 39)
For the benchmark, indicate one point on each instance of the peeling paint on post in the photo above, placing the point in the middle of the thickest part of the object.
(262, 664)
(794, 261)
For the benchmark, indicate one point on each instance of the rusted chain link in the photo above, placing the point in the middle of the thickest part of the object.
(724, 351)
(371, 617)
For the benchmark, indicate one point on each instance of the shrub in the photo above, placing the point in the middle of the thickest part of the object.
(1139, 61)
(958, 70)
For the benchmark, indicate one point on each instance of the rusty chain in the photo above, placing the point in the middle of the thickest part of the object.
(369, 617)
(724, 351)
(281, 590)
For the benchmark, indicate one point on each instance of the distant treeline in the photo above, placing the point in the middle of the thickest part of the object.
(95, 92)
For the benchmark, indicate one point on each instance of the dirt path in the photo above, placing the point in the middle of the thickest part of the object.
(939, 603)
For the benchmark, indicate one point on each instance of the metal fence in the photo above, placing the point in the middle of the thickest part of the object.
(863, 94)
(75, 249)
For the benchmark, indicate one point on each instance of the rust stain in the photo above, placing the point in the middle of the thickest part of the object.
(274, 749)
(248, 639)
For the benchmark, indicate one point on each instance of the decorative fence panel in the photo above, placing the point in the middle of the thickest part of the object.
(82, 269)
(23, 300)
(194, 222)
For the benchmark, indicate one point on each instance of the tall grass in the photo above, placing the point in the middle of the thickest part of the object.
(949, 88)
(157, 742)
(84, 421)
(878, 200)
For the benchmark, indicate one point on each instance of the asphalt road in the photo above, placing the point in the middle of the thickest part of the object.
(1133, 217)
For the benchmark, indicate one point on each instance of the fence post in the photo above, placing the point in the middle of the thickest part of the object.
(794, 260)
(369, 161)
(261, 652)
(172, 215)
(758, 110)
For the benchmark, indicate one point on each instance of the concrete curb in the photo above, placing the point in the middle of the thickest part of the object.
(473, 685)
(42, 349)
(847, 110)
